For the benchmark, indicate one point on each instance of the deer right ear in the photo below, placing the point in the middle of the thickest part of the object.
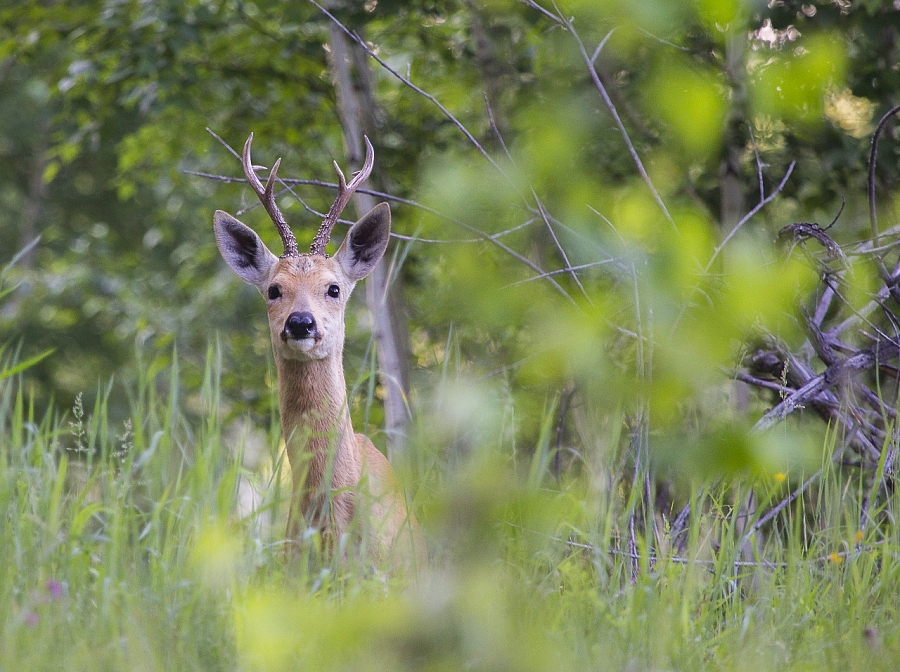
(365, 242)
(242, 249)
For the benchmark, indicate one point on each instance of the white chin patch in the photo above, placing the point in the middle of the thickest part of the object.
(306, 348)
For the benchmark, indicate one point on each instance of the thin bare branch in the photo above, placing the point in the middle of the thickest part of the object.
(746, 218)
(600, 46)
(664, 41)
(590, 62)
(775, 510)
(561, 271)
(759, 165)
(495, 129)
(595, 77)
(823, 306)
(222, 142)
(781, 390)
(863, 313)
(889, 279)
(565, 257)
(873, 217)
(535, 6)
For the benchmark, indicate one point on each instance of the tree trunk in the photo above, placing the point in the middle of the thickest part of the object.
(487, 65)
(356, 107)
(37, 192)
(730, 171)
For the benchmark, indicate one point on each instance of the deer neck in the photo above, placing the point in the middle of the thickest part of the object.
(315, 420)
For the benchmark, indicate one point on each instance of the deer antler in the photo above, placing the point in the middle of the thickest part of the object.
(267, 198)
(345, 191)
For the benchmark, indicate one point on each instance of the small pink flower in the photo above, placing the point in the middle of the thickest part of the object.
(31, 619)
(55, 589)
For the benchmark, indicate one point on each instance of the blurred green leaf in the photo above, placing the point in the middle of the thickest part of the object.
(692, 102)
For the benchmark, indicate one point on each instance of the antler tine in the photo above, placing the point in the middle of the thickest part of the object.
(345, 191)
(266, 196)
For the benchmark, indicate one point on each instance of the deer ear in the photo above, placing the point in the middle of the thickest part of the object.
(365, 243)
(242, 249)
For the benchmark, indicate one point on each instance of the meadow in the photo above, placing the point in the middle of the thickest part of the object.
(122, 550)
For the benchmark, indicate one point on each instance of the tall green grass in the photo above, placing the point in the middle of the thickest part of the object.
(120, 549)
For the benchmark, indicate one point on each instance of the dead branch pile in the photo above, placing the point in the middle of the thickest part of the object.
(846, 371)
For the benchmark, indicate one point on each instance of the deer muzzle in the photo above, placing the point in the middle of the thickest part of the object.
(300, 326)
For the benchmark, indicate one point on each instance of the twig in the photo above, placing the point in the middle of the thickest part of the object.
(559, 247)
(873, 217)
(590, 62)
(634, 556)
(495, 129)
(231, 149)
(861, 361)
(595, 77)
(774, 511)
(538, 8)
(862, 313)
(560, 271)
(781, 390)
(759, 165)
(823, 306)
(600, 46)
(746, 218)
(889, 279)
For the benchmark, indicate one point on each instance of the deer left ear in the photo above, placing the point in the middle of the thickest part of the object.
(243, 250)
(365, 243)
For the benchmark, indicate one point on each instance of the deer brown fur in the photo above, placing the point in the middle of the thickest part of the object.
(338, 474)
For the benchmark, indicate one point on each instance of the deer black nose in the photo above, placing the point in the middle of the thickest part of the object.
(300, 326)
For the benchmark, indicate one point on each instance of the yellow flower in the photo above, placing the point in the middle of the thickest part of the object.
(836, 558)
(779, 477)
(859, 535)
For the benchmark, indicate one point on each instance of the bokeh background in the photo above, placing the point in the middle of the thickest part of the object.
(105, 107)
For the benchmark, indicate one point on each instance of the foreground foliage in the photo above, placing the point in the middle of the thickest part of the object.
(121, 550)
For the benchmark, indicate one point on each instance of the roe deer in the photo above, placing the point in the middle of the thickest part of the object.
(336, 473)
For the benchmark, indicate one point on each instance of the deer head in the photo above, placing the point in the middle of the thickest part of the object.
(305, 293)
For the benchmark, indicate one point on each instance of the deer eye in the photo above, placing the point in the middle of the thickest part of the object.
(274, 292)
(334, 291)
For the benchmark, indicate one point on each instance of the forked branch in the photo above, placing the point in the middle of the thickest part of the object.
(266, 196)
(345, 191)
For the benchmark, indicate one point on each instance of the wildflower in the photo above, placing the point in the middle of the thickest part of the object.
(31, 619)
(54, 589)
(779, 477)
(859, 535)
(836, 558)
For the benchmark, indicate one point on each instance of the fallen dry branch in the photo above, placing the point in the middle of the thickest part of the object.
(847, 371)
